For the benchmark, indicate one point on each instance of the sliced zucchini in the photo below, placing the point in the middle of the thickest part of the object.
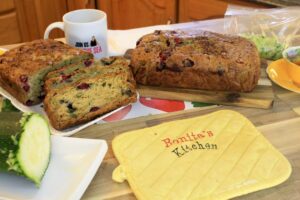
(24, 145)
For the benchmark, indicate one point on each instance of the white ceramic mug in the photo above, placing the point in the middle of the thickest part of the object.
(85, 29)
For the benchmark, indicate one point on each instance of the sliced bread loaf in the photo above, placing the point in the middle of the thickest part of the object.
(22, 70)
(89, 98)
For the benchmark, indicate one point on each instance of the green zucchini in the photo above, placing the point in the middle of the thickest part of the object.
(7, 106)
(24, 145)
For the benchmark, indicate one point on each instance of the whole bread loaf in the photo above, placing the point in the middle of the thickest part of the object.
(22, 69)
(204, 60)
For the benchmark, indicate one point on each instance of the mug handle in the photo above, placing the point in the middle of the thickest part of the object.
(52, 26)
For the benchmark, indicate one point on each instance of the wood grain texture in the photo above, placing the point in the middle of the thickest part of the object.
(280, 125)
(9, 29)
(48, 12)
(26, 18)
(125, 14)
(35, 15)
(103, 187)
(6, 6)
(80, 4)
(261, 97)
(191, 10)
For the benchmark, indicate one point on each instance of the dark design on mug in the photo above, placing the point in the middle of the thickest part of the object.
(78, 44)
(93, 41)
(86, 44)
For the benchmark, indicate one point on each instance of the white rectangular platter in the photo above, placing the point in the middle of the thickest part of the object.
(73, 164)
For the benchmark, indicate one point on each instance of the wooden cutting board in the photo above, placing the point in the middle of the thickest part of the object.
(261, 97)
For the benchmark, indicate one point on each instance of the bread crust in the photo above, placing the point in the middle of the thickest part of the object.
(204, 60)
(20, 66)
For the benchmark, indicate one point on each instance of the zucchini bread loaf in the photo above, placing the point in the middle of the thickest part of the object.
(205, 60)
(23, 69)
(88, 92)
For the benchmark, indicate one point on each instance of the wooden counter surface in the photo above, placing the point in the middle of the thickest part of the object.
(281, 125)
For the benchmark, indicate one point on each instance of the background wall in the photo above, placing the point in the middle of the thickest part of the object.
(26, 20)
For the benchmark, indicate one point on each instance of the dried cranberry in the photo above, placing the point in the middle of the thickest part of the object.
(26, 88)
(93, 109)
(188, 63)
(83, 86)
(168, 42)
(42, 96)
(175, 68)
(161, 66)
(178, 40)
(163, 55)
(138, 42)
(23, 78)
(29, 103)
(65, 77)
(88, 63)
(220, 71)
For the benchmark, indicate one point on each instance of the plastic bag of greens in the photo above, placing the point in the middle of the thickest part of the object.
(272, 30)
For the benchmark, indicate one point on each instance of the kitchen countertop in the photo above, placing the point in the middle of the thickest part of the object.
(280, 125)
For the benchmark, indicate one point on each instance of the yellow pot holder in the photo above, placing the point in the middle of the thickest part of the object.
(212, 157)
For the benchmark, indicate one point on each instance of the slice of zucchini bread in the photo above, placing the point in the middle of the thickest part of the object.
(22, 69)
(71, 74)
(89, 98)
(67, 70)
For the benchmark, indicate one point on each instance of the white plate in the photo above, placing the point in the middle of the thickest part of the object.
(73, 164)
(39, 109)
